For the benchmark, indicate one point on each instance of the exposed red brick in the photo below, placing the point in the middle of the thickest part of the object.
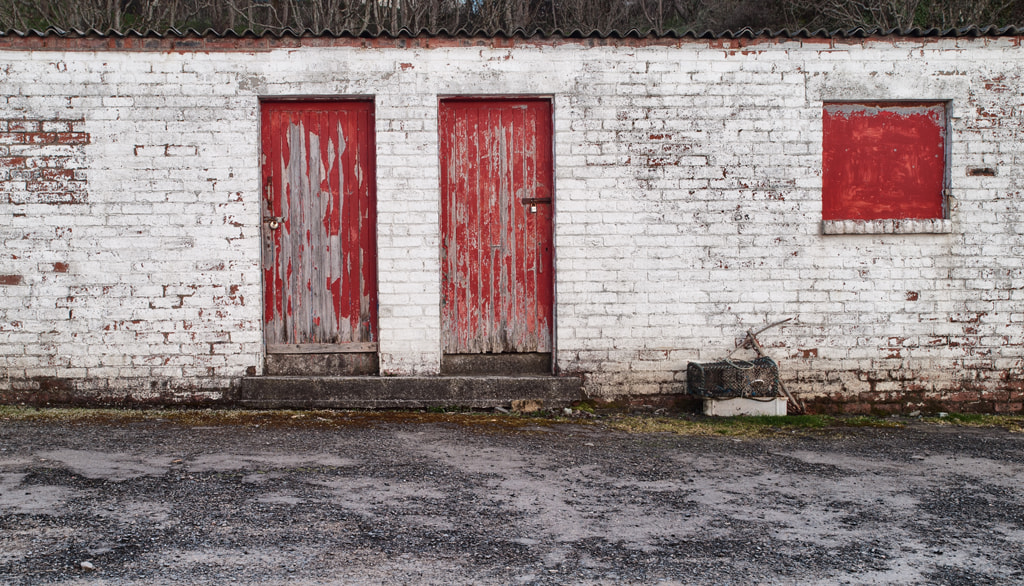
(60, 267)
(213, 44)
(981, 172)
(45, 177)
(856, 408)
(54, 174)
(71, 138)
(963, 397)
(10, 279)
(998, 84)
(953, 401)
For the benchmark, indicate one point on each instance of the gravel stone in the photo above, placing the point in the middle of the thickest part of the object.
(155, 502)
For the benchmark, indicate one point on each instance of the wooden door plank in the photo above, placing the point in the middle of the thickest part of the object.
(351, 263)
(467, 226)
(526, 277)
(519, 233)
(508, 322)
(543, 239)
(446, 148)
(364, 170)
(490, 188)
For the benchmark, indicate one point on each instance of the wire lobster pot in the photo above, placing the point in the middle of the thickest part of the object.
(733, 378)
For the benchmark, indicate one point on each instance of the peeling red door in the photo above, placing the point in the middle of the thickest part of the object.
(319, 243)
(496, 211)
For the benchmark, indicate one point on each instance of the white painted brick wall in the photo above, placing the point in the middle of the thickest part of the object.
(688, 181)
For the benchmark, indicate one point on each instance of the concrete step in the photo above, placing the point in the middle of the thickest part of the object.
(406, 392)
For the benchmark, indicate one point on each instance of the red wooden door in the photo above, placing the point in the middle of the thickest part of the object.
(496, 211)
(319, 242)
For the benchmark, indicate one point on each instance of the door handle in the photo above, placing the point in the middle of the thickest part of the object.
(273, 222)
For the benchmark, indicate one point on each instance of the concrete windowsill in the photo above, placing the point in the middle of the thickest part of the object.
(931, 226)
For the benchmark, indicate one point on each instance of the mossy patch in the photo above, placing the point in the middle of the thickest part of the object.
(1014, 423)
(322, 418)
(749, 426)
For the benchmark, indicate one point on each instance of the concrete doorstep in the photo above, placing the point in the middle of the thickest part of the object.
(362, 392)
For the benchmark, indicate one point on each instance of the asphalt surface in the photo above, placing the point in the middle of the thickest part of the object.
(392, 500)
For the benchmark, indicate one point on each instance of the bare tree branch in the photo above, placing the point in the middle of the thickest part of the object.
(492, 15)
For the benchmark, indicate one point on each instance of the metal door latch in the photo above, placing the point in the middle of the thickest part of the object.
(274, 222)
(533, 201)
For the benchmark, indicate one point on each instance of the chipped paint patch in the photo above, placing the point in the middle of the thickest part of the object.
(43, 161)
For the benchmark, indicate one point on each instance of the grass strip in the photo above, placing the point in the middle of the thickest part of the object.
(685, 424)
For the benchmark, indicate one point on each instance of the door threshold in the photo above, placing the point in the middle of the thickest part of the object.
(323, 364)
(505, 364)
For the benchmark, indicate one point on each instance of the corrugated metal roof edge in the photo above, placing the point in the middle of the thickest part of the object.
(744, 33)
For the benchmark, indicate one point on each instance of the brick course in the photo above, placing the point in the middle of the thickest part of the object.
(688, 209)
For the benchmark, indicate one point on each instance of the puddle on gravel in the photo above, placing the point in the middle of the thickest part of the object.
(227, 462)
(23, 499)
(112, 466)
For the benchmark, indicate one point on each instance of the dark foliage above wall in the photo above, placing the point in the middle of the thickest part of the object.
(622, 16)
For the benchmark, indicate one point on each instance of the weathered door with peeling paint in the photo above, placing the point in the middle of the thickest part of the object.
(496, 225)
(319, 243)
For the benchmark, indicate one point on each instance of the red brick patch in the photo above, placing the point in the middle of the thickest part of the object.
(44, 161)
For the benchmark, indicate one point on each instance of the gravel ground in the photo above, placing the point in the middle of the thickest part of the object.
(388, 501)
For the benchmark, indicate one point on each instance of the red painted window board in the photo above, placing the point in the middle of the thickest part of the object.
(883, 160)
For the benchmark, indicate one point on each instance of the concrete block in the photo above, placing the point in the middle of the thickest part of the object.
(744, 406)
